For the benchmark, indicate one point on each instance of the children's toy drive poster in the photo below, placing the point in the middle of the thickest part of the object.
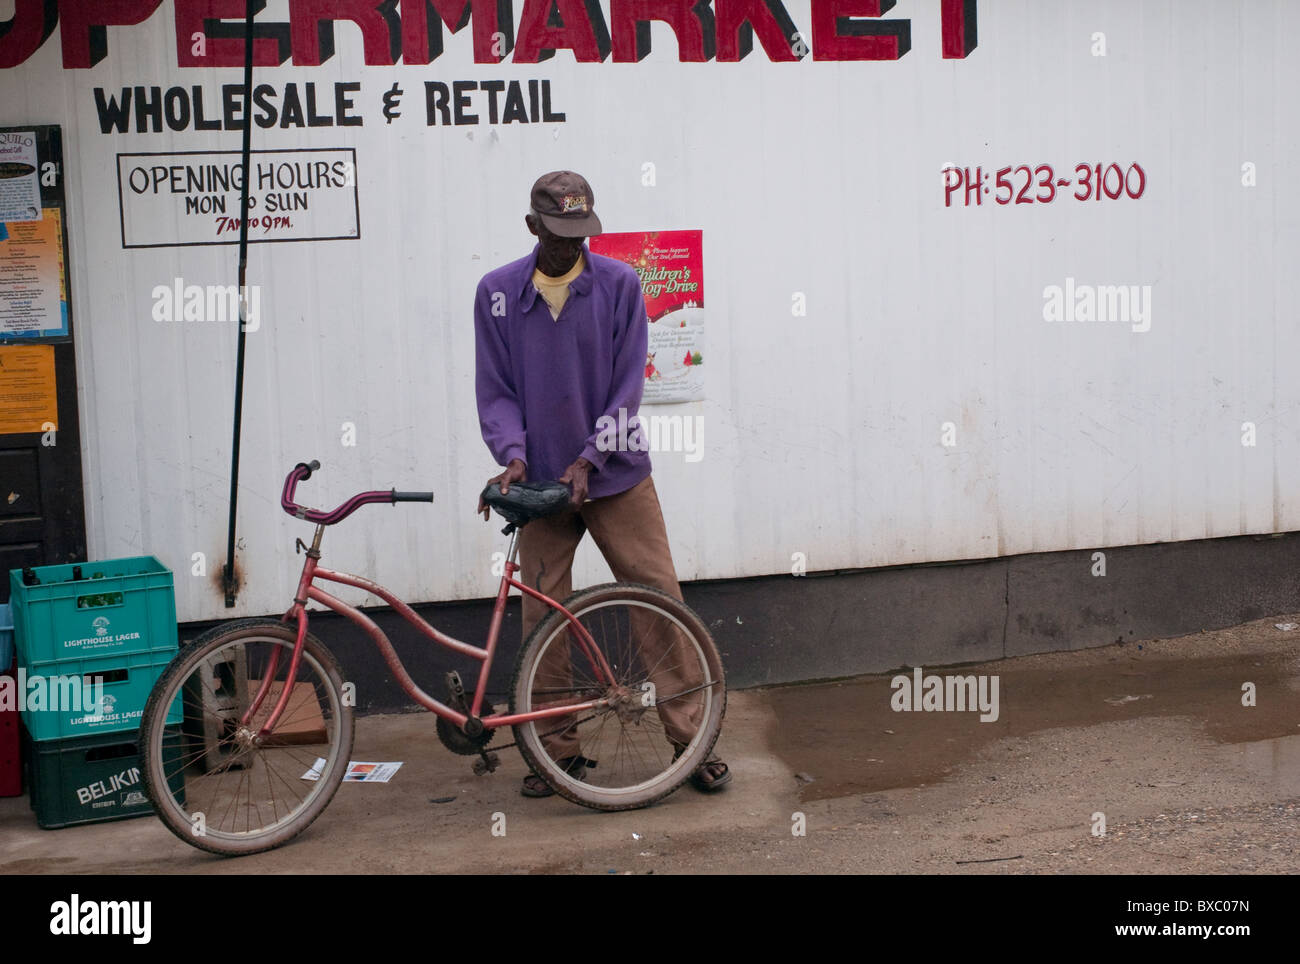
(670, 264)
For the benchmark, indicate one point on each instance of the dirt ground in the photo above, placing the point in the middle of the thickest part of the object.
(1152, 736)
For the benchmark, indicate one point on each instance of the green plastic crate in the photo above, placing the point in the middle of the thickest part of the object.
(6, 637)
(128, 679)
(96, 778)
(122, 606)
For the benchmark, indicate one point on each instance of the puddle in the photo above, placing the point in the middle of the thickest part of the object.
(839, 732)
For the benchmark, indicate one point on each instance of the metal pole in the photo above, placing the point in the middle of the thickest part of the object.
(229, 579)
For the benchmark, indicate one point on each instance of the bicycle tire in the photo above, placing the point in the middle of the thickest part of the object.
(170, 686)
(529, 735)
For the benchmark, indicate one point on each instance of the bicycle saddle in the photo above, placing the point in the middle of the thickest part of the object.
(527, 501)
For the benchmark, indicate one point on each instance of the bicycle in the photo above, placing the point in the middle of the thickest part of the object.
(617, 697)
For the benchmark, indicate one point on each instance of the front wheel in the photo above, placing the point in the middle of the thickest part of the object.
(214, 781)
(648, 662)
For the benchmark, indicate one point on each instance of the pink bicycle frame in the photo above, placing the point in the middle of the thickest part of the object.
(307, 590)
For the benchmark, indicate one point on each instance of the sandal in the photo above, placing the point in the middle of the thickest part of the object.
(703, 779)
(574, 766)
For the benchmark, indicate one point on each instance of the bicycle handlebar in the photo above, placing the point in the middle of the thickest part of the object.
(302, 472)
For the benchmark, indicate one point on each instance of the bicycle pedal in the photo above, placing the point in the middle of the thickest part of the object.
(455, 688)
(487, 763)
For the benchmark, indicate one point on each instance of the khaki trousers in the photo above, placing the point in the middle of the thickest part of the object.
(629, 531)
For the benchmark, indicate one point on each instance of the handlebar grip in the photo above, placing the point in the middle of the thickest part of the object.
(310, 467)
(412, 496)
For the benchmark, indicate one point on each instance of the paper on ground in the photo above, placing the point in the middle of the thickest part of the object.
(357, 772)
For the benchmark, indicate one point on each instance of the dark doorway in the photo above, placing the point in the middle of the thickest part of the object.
(42, 513)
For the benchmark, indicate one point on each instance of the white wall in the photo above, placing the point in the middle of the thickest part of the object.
(822, 432)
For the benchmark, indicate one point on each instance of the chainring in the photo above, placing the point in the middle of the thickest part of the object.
(456, 740)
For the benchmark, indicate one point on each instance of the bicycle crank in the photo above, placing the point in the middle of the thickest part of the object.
(454, 738)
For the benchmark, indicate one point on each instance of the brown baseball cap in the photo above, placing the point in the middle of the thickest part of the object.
(564, 201)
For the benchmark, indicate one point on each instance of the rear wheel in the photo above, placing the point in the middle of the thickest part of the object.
(213, 781)
(658, 717)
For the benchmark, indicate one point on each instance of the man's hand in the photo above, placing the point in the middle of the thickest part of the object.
(575, 476)
(516, 471)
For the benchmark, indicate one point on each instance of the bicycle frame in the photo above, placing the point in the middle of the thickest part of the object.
(307, 591)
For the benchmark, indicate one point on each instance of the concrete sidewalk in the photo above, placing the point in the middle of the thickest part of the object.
(1152, 735)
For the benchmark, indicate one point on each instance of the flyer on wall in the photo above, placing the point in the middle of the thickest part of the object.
(20, 189)
(28, 389)
(670, 265)
(33, 278)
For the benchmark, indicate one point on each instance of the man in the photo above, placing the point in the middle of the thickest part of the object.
(560, 340)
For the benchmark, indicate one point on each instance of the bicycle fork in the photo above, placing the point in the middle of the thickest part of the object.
(299, 610)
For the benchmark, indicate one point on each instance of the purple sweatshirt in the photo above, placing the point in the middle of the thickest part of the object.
(543, 384)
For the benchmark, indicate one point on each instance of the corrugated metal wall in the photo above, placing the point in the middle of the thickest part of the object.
(823, 431)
